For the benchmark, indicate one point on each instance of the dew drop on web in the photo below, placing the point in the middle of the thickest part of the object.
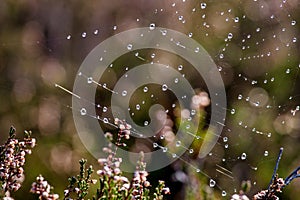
(243, 156)
(164, 87)
(224, 193)
(124, 93)
(212, 183)
(83, 111)
(152, 26)
(145, 89)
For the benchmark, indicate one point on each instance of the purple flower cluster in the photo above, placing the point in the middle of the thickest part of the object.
(124, 129)
(42, 188)
(139, 181)
(276, 187)
(12, 160)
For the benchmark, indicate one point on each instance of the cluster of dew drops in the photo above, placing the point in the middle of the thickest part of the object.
(222, 55)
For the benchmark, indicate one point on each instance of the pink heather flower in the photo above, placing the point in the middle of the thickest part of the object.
(125, 186)
(146, 183)
(77, 190)
(117, 171)
(124, 179)
(239, 197)
(100, 172)
(166, 190)
(7, 198)
(102, 161)
(42, 188)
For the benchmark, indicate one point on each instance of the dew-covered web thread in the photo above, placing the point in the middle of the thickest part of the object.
(256, 49)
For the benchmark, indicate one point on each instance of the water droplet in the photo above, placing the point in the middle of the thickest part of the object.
(198, 170)
(152, 26)
(232, 111)
(293, 23)
(145, 89)
(137, 107)
(288, 71)
(266, 153)
(164, 32)
(224, 193)
(212, 183)
(129, 47)
(197, 49)
(230, 36)
(193, 112)
(96, 32)
(83, 111)
(190, 34)
(164, 87)
(225, 139)
(180, 67)
(191, 151)
(269, 135)
(240, 97)
(243, 156)
(104, 109)
(174, 155)
(165, 149)
(178, 144)
(162, 137)
(68, 37)
(89, 80)
(176, 80)
(226, 146)
(83, 34)
(203, 5)
(236, 19)
(155, 145)
(146, 123)
(105, 120)
(124, 93)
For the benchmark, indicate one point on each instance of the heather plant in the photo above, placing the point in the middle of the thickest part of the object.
(42, 188)
(112, 183)
(80, 185)
(12, 160)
